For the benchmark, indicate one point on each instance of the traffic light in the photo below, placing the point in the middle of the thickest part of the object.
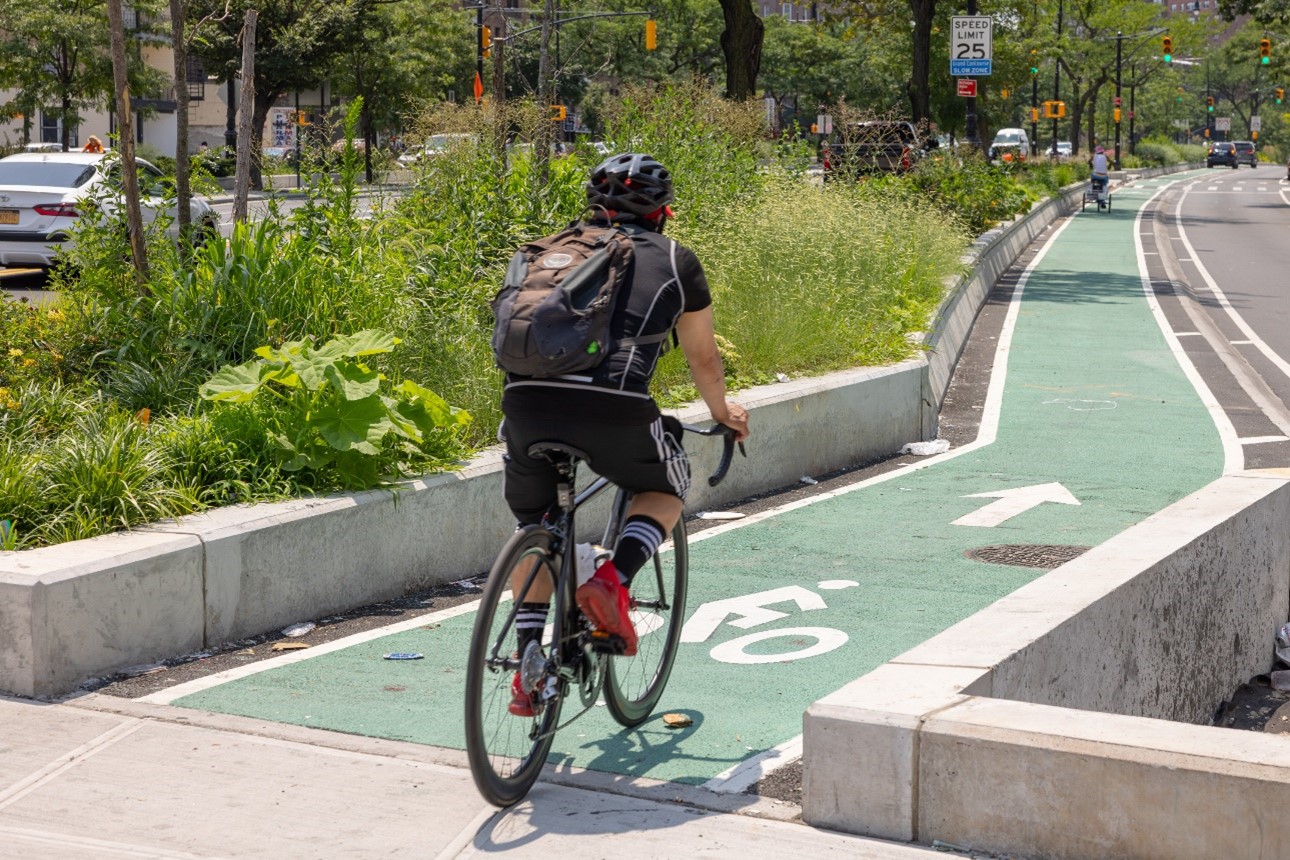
(1034, 62)
(1281, 94)
(1034, 114)
(1209, 104)
(1004, 92)
(1167, 48)
(558, 113)
(1116, 116)
(651, 34)
(1265, 50)
(1054, 109)
(485, 41)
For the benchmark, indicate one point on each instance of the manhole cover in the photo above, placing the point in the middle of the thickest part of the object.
(1045, 556)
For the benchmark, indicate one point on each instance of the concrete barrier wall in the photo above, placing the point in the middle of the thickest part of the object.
(241, 571)
(972, 736)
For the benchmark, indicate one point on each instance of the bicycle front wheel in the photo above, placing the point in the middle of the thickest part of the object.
(506, 752)
(633, 685)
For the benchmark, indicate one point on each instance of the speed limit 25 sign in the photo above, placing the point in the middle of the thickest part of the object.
(970, 45)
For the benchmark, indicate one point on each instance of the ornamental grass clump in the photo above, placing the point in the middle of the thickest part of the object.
(809, 279)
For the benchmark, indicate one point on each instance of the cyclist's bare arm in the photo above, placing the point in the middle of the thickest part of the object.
(698, 341)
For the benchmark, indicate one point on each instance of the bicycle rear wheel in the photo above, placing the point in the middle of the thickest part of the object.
(506, 752)
(633, 685)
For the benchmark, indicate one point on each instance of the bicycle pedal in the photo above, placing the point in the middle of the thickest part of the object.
(607, 643)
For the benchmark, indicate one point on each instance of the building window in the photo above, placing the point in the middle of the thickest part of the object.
(51, 131)
(196, 80)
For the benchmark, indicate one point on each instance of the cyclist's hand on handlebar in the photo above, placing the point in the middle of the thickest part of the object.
(736, 418)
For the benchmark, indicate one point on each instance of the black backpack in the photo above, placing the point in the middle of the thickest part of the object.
(554, 308)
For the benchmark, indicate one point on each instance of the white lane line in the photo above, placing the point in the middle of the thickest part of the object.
(1187, 334)
(170, 694)
(749, 771)
(1241, 342)
(51, 771)
(1259, 440)
(1233, 456)
(1255, 341)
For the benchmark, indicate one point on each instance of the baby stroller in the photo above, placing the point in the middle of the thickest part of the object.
(1097, 193)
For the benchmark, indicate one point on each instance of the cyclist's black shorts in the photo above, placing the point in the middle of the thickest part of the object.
(639, 457)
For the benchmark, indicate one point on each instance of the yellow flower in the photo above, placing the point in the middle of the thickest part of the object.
(29, 362)
(56, 315)
(14, 352)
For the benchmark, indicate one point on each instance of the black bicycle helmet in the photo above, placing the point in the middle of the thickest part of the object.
(631, 183)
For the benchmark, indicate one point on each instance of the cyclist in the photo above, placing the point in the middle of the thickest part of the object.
(608, 412)
(1100, 177)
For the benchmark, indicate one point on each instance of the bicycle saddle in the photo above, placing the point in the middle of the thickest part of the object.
(553, 450)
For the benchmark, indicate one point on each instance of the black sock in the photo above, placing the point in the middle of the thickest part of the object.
(637, 544)
(530, 620)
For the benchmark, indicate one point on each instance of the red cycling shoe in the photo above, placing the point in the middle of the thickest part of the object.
(605, 601)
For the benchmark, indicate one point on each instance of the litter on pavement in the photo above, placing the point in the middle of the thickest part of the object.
(926, 449)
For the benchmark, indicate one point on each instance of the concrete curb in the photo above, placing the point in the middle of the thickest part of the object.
(92, 607)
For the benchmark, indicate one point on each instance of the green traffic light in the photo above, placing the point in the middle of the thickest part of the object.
(1169, 58)
(1266, 60)
(1034, 70)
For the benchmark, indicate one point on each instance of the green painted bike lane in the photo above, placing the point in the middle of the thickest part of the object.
(819, 594)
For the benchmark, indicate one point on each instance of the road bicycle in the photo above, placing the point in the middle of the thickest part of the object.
(573, 660)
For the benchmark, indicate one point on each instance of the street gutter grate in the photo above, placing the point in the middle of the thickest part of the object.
(1044, 556)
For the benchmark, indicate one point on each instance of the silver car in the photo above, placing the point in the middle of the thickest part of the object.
(41, 195)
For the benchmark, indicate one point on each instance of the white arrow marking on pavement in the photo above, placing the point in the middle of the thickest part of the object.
(751, 609)
(1012, 502)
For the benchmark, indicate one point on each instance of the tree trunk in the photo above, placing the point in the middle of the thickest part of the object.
(66, 137)
(183, 193)
(245, 150)
(741, 45)
(918, 88)
(129, 170)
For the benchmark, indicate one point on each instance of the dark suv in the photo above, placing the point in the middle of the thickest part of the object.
(1245, 153)
(872, 147)
(1221, 155)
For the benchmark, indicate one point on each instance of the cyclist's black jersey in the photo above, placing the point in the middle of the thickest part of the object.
(665, 280)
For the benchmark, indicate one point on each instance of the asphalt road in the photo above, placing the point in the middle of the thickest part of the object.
(1217, 255)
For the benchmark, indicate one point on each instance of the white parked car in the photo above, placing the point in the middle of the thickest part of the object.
(1064, 149)
(41, 195)
(1010, 144)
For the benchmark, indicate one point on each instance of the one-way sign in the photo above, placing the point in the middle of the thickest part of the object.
(971, 45)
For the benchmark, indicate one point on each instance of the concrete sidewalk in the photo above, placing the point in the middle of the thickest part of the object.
(99, 778)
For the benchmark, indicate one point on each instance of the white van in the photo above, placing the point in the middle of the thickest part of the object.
(1010, 144)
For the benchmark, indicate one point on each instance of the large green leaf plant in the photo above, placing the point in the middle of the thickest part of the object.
(325, 411)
